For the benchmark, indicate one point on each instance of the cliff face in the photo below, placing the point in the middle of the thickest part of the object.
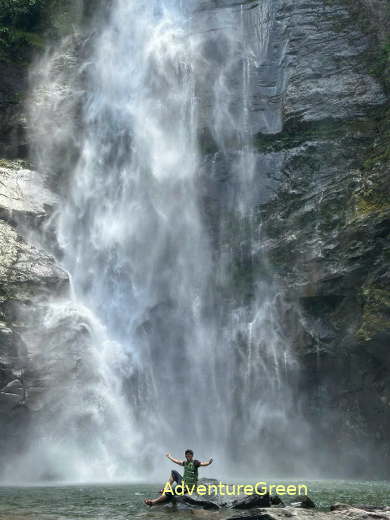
(322, 194)
(327, 226)
(322, 132)
(29, 276)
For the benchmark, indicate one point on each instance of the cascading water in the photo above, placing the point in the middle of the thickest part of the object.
(172, 337)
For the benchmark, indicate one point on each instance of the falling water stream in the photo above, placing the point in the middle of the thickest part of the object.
(172, 335)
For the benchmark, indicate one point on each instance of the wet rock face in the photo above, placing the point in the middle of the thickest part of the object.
(327, 77)
(322, 204)
(379, 16)
(327, 226)
(28, 276)
(13, 85)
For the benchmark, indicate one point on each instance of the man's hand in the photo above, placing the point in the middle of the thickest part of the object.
(176, 461)
(206, 463)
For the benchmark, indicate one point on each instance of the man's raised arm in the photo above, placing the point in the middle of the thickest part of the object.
(206, 463)
(176, 461)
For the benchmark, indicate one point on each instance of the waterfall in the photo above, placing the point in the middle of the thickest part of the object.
(171, 338)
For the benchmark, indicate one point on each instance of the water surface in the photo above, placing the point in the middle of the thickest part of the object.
(119, 502)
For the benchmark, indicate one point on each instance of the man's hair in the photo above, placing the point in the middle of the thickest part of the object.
(188, 451)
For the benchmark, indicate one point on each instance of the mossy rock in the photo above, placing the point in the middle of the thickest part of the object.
(370, 203)
(14, 164)
(376, 312)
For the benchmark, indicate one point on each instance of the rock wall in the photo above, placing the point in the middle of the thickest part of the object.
(320, 114)
(29, 276)
(13, 85)
(327, 226)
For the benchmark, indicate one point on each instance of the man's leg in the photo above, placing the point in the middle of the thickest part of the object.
(165, 497)
(159, 500)
(174, 477)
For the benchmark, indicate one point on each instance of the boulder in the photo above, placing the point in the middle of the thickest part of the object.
(252, 501)
(198, 502)
(276, 501)
(24, 195)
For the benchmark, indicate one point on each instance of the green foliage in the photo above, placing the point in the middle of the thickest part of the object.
(25, 24)
(19, 28)
(376, 311)
(12, 11)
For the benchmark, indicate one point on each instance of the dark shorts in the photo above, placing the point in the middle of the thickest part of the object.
(176, 477)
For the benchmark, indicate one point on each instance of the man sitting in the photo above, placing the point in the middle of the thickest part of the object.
(189, 479)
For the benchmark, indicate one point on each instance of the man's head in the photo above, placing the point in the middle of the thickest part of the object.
(189, 455)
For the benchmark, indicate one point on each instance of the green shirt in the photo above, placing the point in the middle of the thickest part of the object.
(190, 476)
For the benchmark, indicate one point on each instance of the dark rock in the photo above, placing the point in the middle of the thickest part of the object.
(197, 503)
(256, 516)
(204, 504)
(252, 501)
(276, 501)
(13, 86)
(304, 502)
(339, 507)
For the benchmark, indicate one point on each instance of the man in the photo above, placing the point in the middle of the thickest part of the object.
(189, 479)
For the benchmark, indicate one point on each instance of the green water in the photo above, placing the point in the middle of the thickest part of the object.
(119, 502)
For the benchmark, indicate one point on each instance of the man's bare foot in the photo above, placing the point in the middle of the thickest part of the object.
(148, 502)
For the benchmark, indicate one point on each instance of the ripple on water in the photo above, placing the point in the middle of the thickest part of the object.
(126, 501)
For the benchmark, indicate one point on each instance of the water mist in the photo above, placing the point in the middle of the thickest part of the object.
(171, 337)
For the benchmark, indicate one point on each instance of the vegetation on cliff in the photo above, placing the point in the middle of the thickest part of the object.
(20, 28)
(25, 25)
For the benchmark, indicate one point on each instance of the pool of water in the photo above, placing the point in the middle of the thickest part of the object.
(119, 502)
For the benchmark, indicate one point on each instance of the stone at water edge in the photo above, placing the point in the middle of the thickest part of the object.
(205, 504)
(338, 506)
(304, 502)
(257, 516)
(277, 501)
(192, 502)
(252, 501)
